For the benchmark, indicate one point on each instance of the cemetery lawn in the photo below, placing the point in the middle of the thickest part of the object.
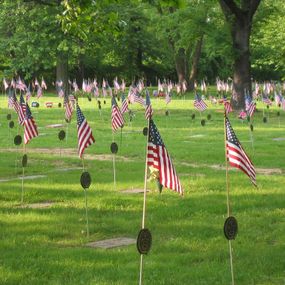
(48, 246)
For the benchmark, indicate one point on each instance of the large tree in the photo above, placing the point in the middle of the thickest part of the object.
(239, 16)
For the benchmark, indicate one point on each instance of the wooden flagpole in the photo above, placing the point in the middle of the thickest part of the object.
(144, 202)
(228, 199)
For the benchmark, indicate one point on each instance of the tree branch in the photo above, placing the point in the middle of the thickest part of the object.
(230, 7)
(253, 6)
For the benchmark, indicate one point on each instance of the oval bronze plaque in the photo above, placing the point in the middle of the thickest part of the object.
(61, 135)
(203, 122)
(114, 148)
(104, 102)
(144, 241)
(145, 130)
(251, 127)
(11, 124)
(166, 113)
(230, 228)
(267, 106)
(59, 105)
(24, 160)
(85, 180)
(9, 117)
(209, 117)
(264, 120)
(17, 140)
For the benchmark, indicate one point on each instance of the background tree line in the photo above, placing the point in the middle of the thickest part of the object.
(179, 40)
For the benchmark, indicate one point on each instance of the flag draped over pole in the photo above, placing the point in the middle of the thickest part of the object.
(68, 107)
(125, 106)
(30, 127)
(236, 154)
(84, 132)
(200, 104)
(117, 117)
(160, 162)
(148, 108)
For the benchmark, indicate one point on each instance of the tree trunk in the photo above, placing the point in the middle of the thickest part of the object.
(182, 66)
(62, 69)
(242, 67)
(195, 63)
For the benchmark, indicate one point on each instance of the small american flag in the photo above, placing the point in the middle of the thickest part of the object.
(125, 106)
(43, 84)
(167, 97)
(30, 127)
(117, 117)
(200, 104)
(12, 100)
(5, 83)
(148, 108)
(68, 108)
(20, 85)
(266, 100)
(22, 110)
(39, 92)
(236, 155)
(251, 108)
(84, 132)
(228, 107)
(159, 160)
(28, 93)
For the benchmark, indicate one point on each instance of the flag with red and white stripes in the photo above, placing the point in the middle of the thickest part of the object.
(116, 116)
(159, 160)
(125, 106)
(22, 110)
(200, 104)
(84, 132)
(68, 108)
(251, 108)
(30, 127)
(236, 154)
(148, 108)
(228, 107)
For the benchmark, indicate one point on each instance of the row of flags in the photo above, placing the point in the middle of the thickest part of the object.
(158, 159)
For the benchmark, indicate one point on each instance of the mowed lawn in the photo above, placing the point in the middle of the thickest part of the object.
(48, 246)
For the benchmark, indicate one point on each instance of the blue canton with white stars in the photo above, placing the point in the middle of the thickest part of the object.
(231, 137)
(147, 99)
(28, 112)
(154, 136)
(80, 116)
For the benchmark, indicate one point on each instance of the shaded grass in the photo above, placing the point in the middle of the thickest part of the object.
(46, 246)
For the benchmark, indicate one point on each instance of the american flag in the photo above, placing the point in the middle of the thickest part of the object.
(251, 108)
(84, 132)
(20, 85)
(43, 84)
(117, 117)
(68, 108)
(12, 100)
(22, 110)
(30, 127)
(133, 97)
(39, 92)
(236, 155)
(159, 160)
(200, 104)
(148, 108)
(228, 107)
(266, 100)
(125, 106)
(5, 83)
(28, 93)
(167, 97)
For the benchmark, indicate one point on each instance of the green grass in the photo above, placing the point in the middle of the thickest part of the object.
(46, 246)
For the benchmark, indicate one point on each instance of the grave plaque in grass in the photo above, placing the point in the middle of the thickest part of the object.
(9, 117)
(209, 117)
(17, 140)
(85, 180)
(145, 130)
(114, 148)
(203, 122)
(144, 241)
(59, 105)
(11, 124)
(166, 113)
(251, 127)
(61, 135)
(264, 120)
(193, 116)
(230, 228)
